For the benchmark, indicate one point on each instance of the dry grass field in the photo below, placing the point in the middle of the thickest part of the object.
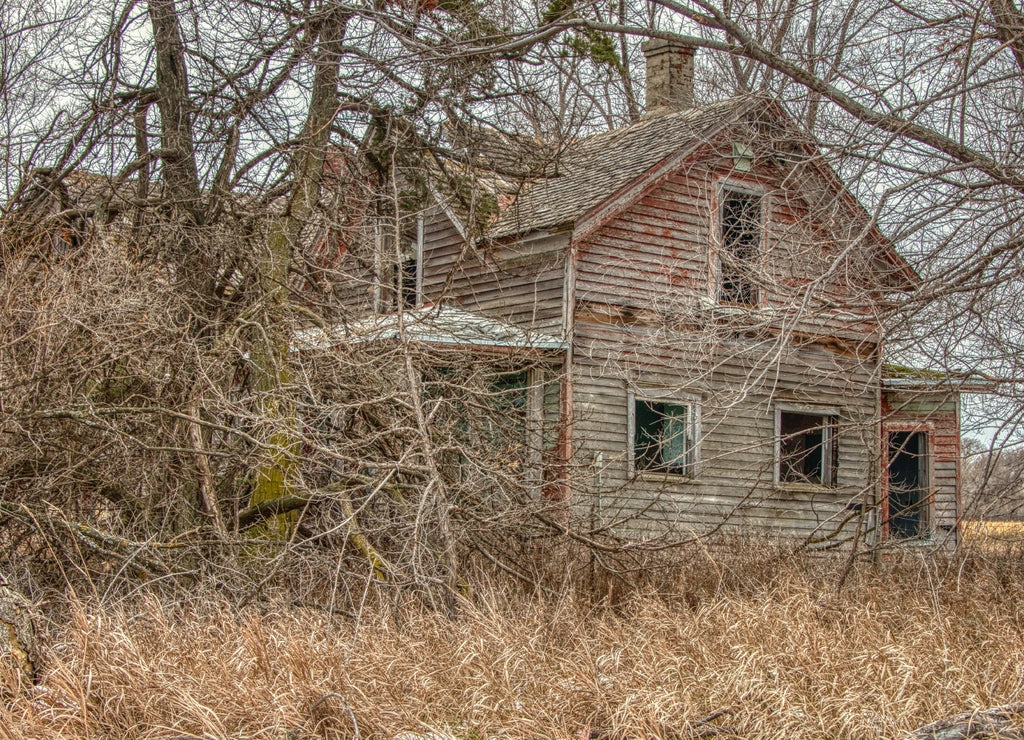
(723, 649)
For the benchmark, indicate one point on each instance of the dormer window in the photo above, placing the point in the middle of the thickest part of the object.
(740, 241)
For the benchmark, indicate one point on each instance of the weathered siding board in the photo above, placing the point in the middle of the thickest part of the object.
(735, 483)
(659, 248)
(354, 282)
(521, 283)
(443, 248)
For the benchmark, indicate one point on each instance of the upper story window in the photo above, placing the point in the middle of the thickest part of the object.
(400, 278)
(408, 273)
(397, 287)
(740, 241)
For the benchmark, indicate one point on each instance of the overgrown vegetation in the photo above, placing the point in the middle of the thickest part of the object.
(743, 646)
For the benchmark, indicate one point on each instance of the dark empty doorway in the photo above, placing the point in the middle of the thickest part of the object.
(908, 485)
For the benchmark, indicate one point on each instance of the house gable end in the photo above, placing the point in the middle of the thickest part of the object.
(798, 187)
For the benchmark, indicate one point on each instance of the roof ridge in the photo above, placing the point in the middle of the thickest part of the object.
(666, 113)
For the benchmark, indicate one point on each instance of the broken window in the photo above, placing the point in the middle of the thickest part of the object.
(407, 275)
(508, 393)
(398, 286)
(740, 239)
(398, 273)
(807, 449)
(523, 420)
(663, 436)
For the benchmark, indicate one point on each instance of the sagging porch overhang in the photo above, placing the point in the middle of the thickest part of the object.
(437, 325)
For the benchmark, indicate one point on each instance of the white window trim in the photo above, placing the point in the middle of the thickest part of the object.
(692, 401)
(534, 425)
(419, 260)
(380, 263)
(830, 443)
(722, 186)
(742, 156)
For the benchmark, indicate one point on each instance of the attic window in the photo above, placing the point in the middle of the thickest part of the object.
(740, 240)
(742, 157)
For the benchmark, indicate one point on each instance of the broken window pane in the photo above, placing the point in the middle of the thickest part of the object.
(807, 449)
(908, 485)
(740, 239)
(663, 437)
(407, 282)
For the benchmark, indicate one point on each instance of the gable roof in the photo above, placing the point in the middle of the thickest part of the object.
(593, 169)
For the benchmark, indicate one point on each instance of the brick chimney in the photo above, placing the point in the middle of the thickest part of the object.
(669, 74)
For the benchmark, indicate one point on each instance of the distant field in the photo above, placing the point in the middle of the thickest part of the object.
(992, 536)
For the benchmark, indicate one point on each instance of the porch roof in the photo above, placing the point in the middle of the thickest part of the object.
(436, 325)
(899, 377)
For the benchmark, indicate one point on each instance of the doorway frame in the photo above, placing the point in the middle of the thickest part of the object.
(928, 507)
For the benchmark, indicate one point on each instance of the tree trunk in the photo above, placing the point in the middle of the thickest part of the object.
(1006, 723)
(180, 174)
(17, 633)
(276, 476)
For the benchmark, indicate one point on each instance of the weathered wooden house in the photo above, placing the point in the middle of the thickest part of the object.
(710, 298)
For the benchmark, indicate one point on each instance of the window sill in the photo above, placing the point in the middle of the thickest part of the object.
(718, 308)
(735, 309)
(739, 313)
(654, 475)
(926, 542)
(805, 487)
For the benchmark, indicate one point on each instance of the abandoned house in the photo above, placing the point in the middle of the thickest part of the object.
(708, 298)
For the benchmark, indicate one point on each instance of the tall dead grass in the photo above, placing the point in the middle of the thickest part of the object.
(773, 651)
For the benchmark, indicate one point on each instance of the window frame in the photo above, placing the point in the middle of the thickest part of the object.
(691, 401)
(539, 415)
(397, 288)
(723, 189)
(829, 455)
(418, 257)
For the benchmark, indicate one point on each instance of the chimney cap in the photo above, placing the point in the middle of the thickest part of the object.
(656, 46)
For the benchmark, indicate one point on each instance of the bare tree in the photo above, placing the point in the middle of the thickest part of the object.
(189, 188)
(160, 250)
